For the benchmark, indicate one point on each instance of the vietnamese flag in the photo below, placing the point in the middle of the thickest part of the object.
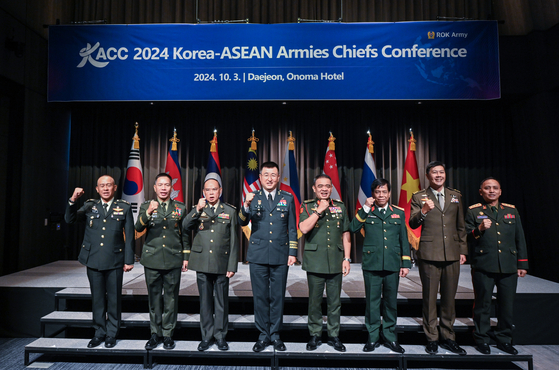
(410, 184)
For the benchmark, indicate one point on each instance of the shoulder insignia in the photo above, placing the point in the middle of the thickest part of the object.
(308, 201)
(90, 201)
(123, 201)
(508, 205)
(475, 206)
(147, 201)
(285, 193)
(456, 190)
(419, 191)
(337, 201)
(230, 205)
(179, 202)
(400, 208)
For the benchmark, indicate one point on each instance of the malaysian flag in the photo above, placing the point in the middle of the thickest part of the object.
(251, 182)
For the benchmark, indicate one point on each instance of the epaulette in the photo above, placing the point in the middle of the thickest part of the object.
(400, 208)
(147, 201)
(285, 193)
(178, 201)
(90, 200)
(308, 201)
(475, 206)
(337, 201)
(230, 205)
(418, 191)
(508, 205)
(122, 201)
(456, 190)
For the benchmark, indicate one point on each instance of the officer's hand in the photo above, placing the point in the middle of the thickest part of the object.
(485, 224)
(522, 273)
(462, 259)
(322, 205)
(291, 260)
(404, 272)
(229, 274)
(78, 192)
(369, 202)
(127, 268)
(184, 266)
(152, 207)
(346, 267)
(248, 199)
(427, 206)
(201, 204)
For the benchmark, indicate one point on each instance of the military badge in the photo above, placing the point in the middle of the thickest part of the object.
(394, 216)
(335, 209)
(224, 216)
(282, 203)
(201, 227)
(508, 216)
(94, 209)
(118, 211)
(454, 199)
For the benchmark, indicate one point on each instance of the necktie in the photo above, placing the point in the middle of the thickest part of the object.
(164, 205)
(441, 200)
(382, 211)
(495, 212)
(213, 210)
(270, 202)
(106, 208)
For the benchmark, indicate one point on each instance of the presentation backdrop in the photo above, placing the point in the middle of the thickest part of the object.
(310, 61)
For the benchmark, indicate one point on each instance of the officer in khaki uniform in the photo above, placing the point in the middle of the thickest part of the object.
(442, 249)
(498, 257)
(214, 256)
(106, 254)
(386, 258)
(325, 223)
(163, 256)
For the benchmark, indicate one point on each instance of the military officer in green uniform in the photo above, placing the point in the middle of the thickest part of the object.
(326, 258)
(163, 257)
(214, 256)
(386, 258)
(107, 252)
(272, 248)
(498, 257)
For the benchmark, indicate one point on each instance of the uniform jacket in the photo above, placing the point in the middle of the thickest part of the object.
(215, 247)
(324, 249)
(274, 231)
(164, 247)
(443, 234)
(502, 247)
(104, 247)
(386, 246)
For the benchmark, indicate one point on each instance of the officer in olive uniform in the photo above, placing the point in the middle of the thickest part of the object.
(325, 223)
(498, 257)
(214, 256)
(163, 256)
(442, 249)
(386, 258)
(272, 248)
(106, 253)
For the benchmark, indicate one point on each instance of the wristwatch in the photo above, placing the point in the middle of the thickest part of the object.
(347, 259)
(318, 214)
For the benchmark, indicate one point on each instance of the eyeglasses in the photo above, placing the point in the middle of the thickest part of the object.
(270, 175)
(323, 186)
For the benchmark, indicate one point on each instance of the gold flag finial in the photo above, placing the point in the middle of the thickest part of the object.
(412, 141)
(370, 143)
(213, 147)
(331, 139)
(253, 140)
(291, 140)
(174, 140)
(136, 137)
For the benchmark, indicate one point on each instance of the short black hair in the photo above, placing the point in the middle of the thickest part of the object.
(163, 174)
(488, 178)
(269, 164)
(434, 164)
(321, 176)
(380, 182)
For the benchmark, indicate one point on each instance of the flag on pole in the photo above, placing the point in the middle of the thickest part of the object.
(369, 175)
(133, 189)
(214, 168)
(251, 182)
(290, 180)
(331, 168)
(410, 184)
(173, 168)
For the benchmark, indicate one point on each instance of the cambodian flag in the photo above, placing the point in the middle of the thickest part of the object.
(133, 190)
(290, 180)
(214, 168)
(369, 175)
(173, 168)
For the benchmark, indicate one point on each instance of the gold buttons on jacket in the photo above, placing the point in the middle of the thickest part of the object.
(103, 227)
(102, 236)
(101, 244)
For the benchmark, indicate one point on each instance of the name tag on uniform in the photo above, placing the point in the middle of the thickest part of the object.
(335, 210)
(223, 215)
(481, 217)
(372, 216)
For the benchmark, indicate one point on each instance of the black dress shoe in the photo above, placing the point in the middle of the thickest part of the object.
(432, 347)
(453, 347)
(394, 346)
(95, 342)
(507, 347)
(222, 345)
(153, 342)
(336, 343)
(205, 344)
(483, 348)
(260, 345)
(168, 343)
(278, 345)
(313, 343)
(370, 347)
(110, 342)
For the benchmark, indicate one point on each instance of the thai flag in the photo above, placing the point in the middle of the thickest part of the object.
(133, 190)
(173, 168)
(214, 168)
(369, 175)
(290, 180)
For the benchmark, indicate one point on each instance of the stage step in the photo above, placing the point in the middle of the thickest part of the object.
(290, 322)
(187, 350)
